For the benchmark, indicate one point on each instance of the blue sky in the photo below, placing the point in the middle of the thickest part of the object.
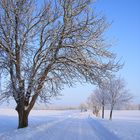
(125, 30)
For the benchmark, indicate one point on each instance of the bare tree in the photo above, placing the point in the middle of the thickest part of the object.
(43, 48)
(138, 106)
(101, 97)
(94, 104)
(83, 107)
(117, 93)
(0, 83)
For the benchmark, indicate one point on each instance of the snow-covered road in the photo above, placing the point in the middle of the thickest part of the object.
(75, 129)
(73, 126)
(68, 125)
(79, 129)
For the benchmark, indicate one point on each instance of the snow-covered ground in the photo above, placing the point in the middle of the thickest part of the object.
(70, 125)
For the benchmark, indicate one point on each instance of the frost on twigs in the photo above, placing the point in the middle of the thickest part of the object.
(50, 46)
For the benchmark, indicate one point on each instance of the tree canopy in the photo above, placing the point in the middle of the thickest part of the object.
(43, 48)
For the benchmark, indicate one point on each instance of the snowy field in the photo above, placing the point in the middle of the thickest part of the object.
(70, 125)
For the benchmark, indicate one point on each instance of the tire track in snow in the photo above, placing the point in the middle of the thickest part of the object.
(86, 132)
(61, 131)
(101, 132)
(74, 128)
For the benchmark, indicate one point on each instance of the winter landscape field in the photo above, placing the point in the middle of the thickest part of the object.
(69, 70)
(70, 125)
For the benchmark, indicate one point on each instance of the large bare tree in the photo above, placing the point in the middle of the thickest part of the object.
(46, 46)
(117, 93)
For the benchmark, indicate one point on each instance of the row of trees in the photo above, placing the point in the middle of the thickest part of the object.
(44, 47)
(110, 93)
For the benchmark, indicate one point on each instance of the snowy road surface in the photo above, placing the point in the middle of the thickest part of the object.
(71, 125)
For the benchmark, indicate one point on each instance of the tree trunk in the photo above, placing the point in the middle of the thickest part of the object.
(103, 112)
(22, 119)
(22, 115)
(111, 111)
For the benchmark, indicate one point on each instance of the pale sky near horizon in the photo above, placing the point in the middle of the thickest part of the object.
(125, 28)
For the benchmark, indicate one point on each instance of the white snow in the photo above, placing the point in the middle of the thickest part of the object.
(70, 125)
